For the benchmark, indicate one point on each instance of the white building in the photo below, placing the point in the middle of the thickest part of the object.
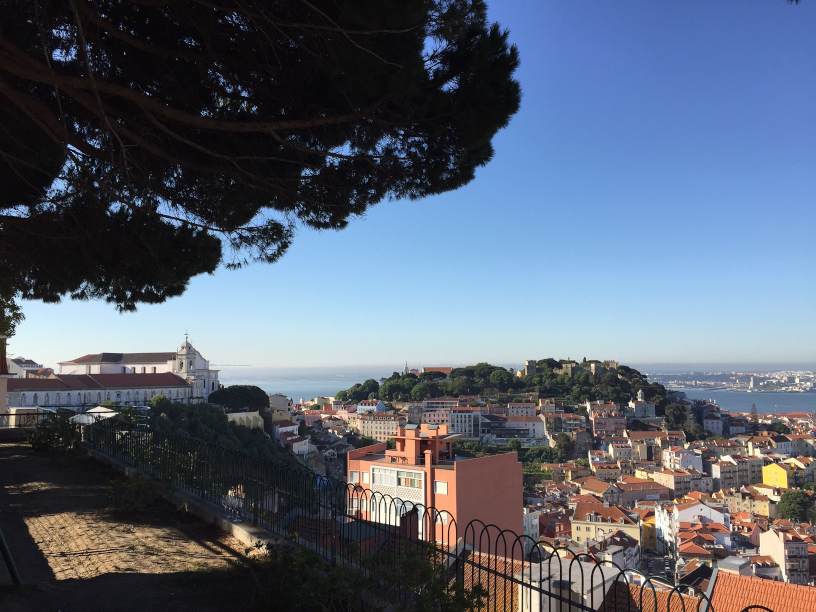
(679, 458)
(641, 409)
(669, 516)
(465, 421)
(84, 390)
(186, 363)
(531, 529)
(20, 366)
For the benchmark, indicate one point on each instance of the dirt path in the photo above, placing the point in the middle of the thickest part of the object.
(75, 554)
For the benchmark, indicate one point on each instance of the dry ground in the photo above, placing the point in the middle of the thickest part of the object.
(76, 554)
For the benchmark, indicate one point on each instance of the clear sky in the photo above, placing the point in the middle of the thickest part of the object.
(653, 201)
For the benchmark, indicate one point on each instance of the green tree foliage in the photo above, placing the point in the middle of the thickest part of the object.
(796, 506)
(357, 393)
(564, 446)
(237, 398)
(500, 379)
(487, 379)
(145, 141)
(418, 573)
(675, 416)
(514, 446)
(364, 441)
(209, 423)
(779, 428)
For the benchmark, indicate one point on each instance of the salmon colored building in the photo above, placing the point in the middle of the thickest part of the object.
(423, 471)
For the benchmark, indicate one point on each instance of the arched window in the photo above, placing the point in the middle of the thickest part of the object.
(181, 364)
(107, 396)
(46, 399)
(127, 397)
(57, 398)
(35, 400)
(69, 399)
(145, 397)
(99, 397)
(176, 393)
(118, 396)
(23, 400)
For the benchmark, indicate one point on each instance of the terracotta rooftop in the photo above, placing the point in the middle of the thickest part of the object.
(630, 598)
(732, 593)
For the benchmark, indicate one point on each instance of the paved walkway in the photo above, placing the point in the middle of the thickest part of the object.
(75, 554)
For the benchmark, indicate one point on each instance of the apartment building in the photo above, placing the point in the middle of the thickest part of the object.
(618, 451)
(534, 425)
(436, 416)
(465, 421)
(747, 499)
(684, 481)
(750, 468)
(607, 421)
(380, 426)
(725, 475)
(790, 552)
(807, 464)
(522, 409)
(669, 520)
(783, 475)
(595, 521)
(679, 458)
(424, 471)
(440, 403)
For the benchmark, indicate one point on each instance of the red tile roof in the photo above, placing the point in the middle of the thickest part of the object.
(732, 593)
(631, 598)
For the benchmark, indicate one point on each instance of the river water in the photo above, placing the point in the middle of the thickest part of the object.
(737, 401)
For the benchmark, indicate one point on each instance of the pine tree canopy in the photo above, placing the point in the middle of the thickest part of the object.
(143, 142)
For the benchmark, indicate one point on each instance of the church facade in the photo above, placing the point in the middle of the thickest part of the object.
(128, 378)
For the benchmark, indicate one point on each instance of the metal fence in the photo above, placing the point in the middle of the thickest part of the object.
(23, 419)
(346, 524)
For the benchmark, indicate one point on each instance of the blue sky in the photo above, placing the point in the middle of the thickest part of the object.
(653, 201)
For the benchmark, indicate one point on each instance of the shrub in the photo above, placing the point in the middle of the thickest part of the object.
(137, 493)
(55, 433)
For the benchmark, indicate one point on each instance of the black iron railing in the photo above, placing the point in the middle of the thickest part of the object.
(347, 524)
(23, 419)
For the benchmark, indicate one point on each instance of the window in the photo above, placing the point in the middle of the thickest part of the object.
(124, 369)
(181, 365)
(354, 476)
(409, 479)
(622, 521)
(364, 477)
(589, 517)
(384, 477)
(99, 398)
(35, 399)
(440, 487)
(22, 400)
(143, 369)
(154, 369)
(46, 399)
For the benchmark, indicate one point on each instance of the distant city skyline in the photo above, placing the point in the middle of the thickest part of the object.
(652, 202)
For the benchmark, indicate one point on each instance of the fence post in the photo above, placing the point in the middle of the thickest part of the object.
(12, 568)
